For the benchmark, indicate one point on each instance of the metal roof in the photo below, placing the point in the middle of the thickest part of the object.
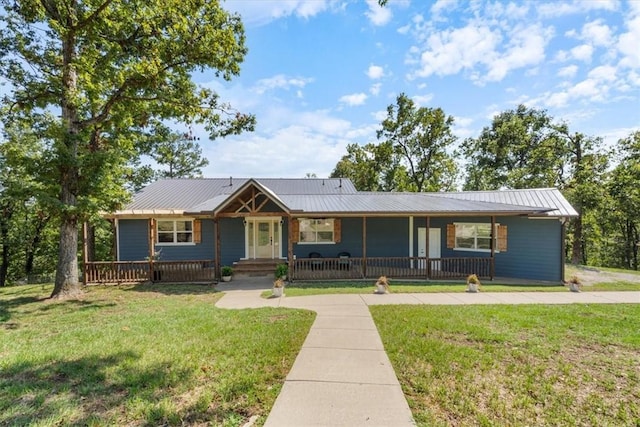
(183, 194)
(338, 196)
(550, 197)
(398, 203)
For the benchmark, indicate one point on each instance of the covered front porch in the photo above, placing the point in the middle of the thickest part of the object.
(194, 271)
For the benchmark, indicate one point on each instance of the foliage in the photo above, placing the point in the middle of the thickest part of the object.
(226, 270)
(85, 74)
(281, 271)
(179, 155)
(141, 355)
(421, 138)
(521, 149)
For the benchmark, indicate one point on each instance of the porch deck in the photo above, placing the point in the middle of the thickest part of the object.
(105, 272)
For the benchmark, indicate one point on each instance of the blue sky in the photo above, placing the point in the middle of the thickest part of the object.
(320, 74)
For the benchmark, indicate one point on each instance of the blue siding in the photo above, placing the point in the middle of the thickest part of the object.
(134, 244)
(231, 240)
(533, 246)
(350, 241)
(387, 237)
(134, 239)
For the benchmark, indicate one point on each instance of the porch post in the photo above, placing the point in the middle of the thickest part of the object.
(364, 247)
(290, 261)
(152, 249)
(428, 222)
(84, 253)
(216, 225)
(492, 245)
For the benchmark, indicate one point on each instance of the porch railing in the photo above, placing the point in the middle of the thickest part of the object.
(156, 271)
(395, 267)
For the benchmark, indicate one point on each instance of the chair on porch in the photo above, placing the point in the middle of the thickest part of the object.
(316, 265)
(344, 263)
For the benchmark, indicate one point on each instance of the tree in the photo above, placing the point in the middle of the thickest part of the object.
(521, 149)
(20, 153)
(421, 138)
(585, 186)
(85, 72)
(366, 166)
(179, 153)
(624, 190)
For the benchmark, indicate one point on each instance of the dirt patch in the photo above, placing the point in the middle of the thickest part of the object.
(590, 276)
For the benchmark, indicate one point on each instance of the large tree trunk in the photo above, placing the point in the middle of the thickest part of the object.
(67, 284)
(30, 253)
(576, 249)
(6, 245)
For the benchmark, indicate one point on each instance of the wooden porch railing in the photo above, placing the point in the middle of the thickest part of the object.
(394, 267)
(156, 271)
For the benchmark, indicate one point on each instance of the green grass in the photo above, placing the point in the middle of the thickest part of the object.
(141, 355)
(516, 365)
(320, 288)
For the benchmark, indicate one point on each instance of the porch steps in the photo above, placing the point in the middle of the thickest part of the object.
(256, 267)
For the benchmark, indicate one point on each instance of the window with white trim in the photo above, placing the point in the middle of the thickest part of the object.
(316, 230)
(174, 232)
(474, 236)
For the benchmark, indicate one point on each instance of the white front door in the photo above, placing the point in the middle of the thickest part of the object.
(263, 238)
(434, 246)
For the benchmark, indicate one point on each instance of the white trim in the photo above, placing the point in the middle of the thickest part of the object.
(275, 254)
(117, 225)
(411, 238)
(316, 243)
(175, 232)
(495, 238)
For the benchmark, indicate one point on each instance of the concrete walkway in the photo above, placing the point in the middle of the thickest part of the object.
(342, 375)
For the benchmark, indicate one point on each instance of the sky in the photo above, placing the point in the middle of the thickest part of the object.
(320, 74)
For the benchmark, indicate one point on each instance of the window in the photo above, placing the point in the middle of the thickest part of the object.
(476, 237)
(175, 232)
(316, 231)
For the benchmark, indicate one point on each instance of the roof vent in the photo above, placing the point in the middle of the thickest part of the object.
(230, 181)
(340, 186)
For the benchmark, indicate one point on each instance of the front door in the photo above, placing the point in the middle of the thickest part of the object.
(263, 238)
(434, 246)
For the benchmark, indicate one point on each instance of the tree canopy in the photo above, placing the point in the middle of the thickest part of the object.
(84, 73)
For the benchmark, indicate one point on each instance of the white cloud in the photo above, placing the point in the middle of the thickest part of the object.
(280, 81)
(597, 33)
(375, 72)
(556, 9)
(354, 99)
(568, 71)
(478, 44)
(582, 52)
(526, 47)
(375, 89)
(450, 51)
(629, 42)
(256, 13)
(378, 15)
(422, 100)
(603, 73)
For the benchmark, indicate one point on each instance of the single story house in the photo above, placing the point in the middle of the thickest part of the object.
(186, 229)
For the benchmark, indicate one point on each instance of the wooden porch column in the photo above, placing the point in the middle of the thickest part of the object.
(216, 225)
(152, 248)
(428, 222)
(290, 261)
(492, 245)
(85, 253)
(364, 247)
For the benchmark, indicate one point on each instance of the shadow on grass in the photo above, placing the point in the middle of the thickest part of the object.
(30, 304)
(85, 391)
(173, 288)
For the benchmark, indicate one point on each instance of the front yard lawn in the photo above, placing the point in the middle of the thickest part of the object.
(516, 365)
(141, 355)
